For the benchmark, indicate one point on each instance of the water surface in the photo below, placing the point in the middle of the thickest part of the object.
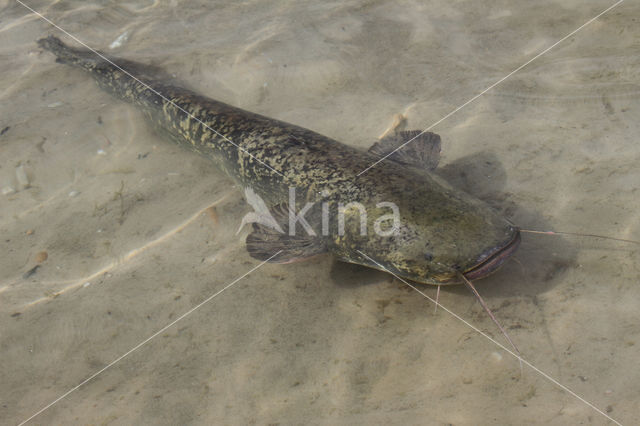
(132, 242)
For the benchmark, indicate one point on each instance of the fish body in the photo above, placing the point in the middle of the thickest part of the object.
(441, 232)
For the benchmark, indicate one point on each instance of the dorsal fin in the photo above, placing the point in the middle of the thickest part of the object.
(422, 151)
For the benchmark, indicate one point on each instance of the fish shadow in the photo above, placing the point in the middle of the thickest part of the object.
(537, 266)
(541, 260)
(351, 275)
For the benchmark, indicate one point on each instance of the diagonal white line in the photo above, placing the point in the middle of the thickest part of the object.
(139, 345)
(492, 86)
(150, 88)
(500, 345)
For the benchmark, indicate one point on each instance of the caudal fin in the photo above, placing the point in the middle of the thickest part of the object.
(68, 55)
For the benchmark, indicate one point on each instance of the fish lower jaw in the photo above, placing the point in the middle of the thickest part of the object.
(492, 263)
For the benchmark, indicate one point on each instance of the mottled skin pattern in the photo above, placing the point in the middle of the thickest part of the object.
(443, 232)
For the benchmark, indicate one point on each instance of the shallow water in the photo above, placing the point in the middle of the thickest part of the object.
(132, 245)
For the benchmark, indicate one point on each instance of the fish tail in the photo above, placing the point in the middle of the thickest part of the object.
(68, 55)
(116, 78)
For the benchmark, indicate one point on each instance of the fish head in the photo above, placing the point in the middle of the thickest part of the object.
(439, 233)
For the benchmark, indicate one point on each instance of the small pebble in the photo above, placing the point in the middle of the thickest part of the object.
(8, 190)
(55, 104)
(122, 38)
(497, 357)
(213, 215)
(29, 232)
(21, 176)
(102, 152)
(41, 257)
(73, 193)
(87, 284)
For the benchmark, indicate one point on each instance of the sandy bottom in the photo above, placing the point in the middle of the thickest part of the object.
(137, 232)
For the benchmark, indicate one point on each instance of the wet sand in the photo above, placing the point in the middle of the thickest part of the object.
(137, 232)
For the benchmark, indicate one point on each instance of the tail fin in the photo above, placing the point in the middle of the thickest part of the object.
(92, 60)
(68, 55)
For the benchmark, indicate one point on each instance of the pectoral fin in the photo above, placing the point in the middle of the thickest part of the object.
(422, 149)
(261, 213)
(265, 240)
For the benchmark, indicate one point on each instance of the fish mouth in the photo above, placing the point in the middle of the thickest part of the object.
(491, 263)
